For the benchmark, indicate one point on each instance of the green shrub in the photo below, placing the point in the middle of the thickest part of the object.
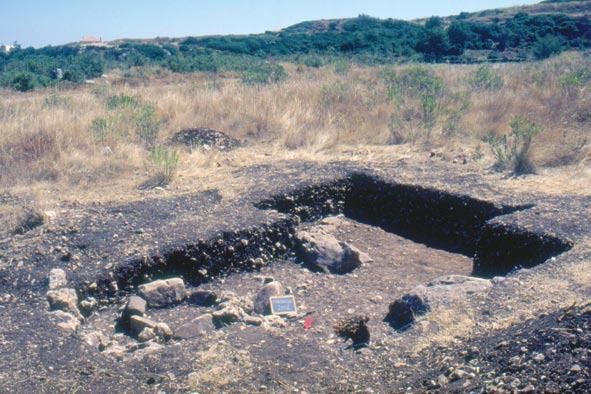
(99, 128)
(576, 79)
(486, 78)
(24, 82)
(263, 74)
(514, 151)
(547, 46)
(165, 162)
(419, 83)
(313, 61)
(147, 123)
(55, 100)
(342, 66)
(121, 101)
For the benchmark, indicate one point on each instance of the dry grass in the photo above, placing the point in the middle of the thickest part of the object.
(52, 143)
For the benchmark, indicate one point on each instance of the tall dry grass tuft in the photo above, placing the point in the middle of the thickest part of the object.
(94, 136)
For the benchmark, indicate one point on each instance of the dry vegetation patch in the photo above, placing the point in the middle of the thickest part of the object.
(112, 133)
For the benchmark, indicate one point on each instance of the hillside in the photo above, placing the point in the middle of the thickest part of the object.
(514, 34)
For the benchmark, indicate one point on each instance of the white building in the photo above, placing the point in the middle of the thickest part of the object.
(5, 48)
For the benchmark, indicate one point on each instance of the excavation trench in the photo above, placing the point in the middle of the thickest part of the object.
(441, 220)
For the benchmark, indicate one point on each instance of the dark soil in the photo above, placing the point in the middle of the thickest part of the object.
(201, 136)
(113, 248)
(551, 354)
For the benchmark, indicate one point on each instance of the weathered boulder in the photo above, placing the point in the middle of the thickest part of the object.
(202, 297)
(57, 278)
(402, 312)
(261, 302)
(64, 299)
(195, 328)
(325, 252)
(161, 293)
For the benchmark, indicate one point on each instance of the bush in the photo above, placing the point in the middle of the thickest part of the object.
(514, 151)
(121, 101)
(147, 124)
(165, 162)
(486, 78)
(264, 74)
(420, 83)
(23, 82)
(313, 61)
(99, 128)
(576, 79)
(547, 46)
(342, 67)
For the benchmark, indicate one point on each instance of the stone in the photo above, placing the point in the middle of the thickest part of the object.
(227, 315)
(146, 335)
(66, 321)
(402, 312)
(96, 339)
(197, 327)
(64, 299)
(202, 298)
(450, 289)
(323, 251)
(136, 306)
(354, 328)
(161, 293)
(163, 331)
(273, 321)
(539, 357)
(138, 323)
(57, 279)
(261, 302)
(88, 304)
(442, 381)
(252, 320)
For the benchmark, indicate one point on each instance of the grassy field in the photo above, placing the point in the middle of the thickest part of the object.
(96, 142)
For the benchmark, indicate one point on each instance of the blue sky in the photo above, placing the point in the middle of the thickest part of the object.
(52, 22)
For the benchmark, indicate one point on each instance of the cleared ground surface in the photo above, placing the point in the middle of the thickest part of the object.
(244, 358)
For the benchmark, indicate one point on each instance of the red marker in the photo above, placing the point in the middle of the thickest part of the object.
(308, 323)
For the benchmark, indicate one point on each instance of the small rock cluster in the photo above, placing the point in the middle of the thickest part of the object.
(229, 309)
(63, 301)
